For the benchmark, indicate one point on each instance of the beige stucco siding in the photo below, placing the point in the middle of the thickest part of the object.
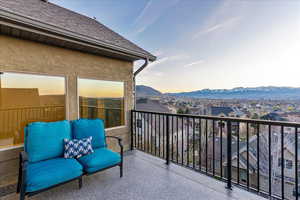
(30, 57)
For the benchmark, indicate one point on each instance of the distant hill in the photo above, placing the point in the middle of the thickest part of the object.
(274, 93)
(144, 91)
(270, 92)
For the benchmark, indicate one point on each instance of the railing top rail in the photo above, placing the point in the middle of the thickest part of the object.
(232, 119)
(32, 107)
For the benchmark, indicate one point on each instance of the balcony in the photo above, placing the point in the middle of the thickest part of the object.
(197, 157)
(145, 177)
(257, 155)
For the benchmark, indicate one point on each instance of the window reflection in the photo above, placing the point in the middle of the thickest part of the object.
(26, 98)
(102, 99)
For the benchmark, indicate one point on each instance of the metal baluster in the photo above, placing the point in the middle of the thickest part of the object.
(229, 155)
(187, 143)
(248, 156)
(148, 133)
(258, 164)
(193, 143)
(135, 129)
(221, 149)
(172, 133)
(140, 132)
(213, 156)
(177, 152)
(144, 133)
(282, 162)
(163, 136)
(270, 161)
(159, 129)
(182, 141)
(155, 133)
(168, 140)
(132, 134)
(206, 144)
(200, 139)
(238, 152)
(151, 129)
(296, 161)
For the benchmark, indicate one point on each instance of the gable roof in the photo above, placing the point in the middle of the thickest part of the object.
(215, 111)
(48, 15)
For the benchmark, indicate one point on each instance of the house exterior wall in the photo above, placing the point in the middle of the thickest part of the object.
(18, 55)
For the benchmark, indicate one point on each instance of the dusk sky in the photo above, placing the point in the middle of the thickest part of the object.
(47, 85)
(207, 43)
(100, 89)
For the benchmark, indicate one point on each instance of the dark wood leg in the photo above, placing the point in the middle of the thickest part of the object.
(22, 192)
(80, 182)
(121, 169)
(19, 177)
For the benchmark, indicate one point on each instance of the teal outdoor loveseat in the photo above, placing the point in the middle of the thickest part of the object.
(42, 165)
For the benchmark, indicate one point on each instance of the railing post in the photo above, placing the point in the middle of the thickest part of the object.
(229, 155)
(168, 141)
(132, 124)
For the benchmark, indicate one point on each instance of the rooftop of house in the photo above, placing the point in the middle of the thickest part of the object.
(151, 105)
(273, 116)
(45, 15)
(216, 111)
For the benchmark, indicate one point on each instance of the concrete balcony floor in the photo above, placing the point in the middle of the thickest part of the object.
(145, 178)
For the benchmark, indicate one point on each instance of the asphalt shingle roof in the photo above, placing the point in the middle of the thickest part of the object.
(63, 18)
(221, 110)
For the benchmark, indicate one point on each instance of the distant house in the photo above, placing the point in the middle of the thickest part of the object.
(273, 116)
(275, 159)
(221, 111)
(147, 104)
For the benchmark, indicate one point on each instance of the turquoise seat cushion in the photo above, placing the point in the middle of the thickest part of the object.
(100, 159)
(44, 174)
(84, 128)
(45, 140)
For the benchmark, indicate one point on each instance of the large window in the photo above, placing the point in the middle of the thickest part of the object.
(102, 99)
(26, 98)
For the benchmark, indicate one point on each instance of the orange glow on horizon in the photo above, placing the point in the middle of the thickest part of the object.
(100, 89)
(46, 85)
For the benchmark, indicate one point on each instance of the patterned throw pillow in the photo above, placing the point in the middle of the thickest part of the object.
(76, 148)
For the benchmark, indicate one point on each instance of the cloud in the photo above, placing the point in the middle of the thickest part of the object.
(230, 23)
(158, 52)
(159, 61)
(226, 16)
(195, 63)
(152, 11)
(144, 11)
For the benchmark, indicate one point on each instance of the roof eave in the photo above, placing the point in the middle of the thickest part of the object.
(34, 25)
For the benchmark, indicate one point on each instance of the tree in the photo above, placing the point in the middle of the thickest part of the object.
(180, 111)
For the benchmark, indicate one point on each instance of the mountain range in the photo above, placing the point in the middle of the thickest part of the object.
(144, 91)
(270, 92)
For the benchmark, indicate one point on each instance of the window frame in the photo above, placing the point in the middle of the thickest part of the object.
(125, 101)
(65, 77)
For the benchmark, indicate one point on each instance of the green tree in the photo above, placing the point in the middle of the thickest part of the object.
(180, 111)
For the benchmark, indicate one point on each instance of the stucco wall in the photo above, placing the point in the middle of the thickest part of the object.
(25, 56)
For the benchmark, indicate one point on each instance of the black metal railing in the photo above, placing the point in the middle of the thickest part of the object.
(260, 156)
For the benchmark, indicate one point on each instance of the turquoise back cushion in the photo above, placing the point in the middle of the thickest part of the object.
(44, 140)
(84, 128)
